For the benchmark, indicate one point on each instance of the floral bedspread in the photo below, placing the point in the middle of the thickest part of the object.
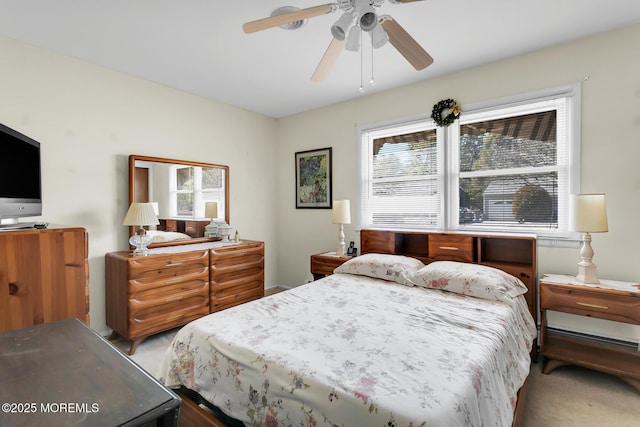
(355, 351)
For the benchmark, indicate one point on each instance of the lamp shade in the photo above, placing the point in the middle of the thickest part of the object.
(141, 214)
(211, 210)
(588, 213)
(341, 212)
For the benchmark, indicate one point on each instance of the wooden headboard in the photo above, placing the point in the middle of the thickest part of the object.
(513, 253)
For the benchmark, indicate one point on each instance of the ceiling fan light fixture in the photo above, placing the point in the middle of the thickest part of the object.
(379, 37)
(353, 39)
(342, 25)
(368, 19)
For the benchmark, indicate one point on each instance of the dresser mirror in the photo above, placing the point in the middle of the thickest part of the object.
(180, 192)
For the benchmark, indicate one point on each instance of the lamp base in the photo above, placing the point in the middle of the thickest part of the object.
(587, 274)
(140, 241)
(586, 268)
(341, 244)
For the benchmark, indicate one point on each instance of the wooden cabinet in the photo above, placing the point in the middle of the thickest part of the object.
(610, 300)
(44, 276)
(323, 264)
(171, 287)
(513, 253)
(237, 274)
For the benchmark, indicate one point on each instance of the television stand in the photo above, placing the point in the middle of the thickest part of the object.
(16, 225)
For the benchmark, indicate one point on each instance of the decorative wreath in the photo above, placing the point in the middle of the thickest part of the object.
(454, 112)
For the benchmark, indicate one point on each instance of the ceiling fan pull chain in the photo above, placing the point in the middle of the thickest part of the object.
(372, 81)
(361, 71)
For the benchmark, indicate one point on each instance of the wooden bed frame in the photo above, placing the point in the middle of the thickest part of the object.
(514, 253)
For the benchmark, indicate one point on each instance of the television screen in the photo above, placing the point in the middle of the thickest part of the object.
(20, 175)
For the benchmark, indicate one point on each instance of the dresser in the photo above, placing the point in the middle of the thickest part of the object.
(175, 285)
(44, 276)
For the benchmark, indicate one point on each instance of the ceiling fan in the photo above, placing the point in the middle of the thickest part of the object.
(357, 16)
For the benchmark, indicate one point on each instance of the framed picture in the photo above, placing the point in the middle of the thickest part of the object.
(313, 179)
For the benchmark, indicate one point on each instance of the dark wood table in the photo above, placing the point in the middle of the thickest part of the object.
(64, 373)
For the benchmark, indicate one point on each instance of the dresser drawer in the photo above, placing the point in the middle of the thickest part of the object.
(593, 303)
(451, 247)
(236, 295)
(164, 292)
(222, 288)
(164, 267)
(148, 318)
(225, 273)
(234, 255)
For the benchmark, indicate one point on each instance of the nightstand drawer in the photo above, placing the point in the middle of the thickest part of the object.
(325, 264)
(593, 303)
(451, 247)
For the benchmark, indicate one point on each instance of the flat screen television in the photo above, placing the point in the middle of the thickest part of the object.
(20, 179)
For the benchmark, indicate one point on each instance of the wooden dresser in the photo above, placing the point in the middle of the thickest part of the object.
(171, 287)
(44, 276)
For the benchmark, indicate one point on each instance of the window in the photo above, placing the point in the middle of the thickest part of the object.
(508, 166)
(191, 187)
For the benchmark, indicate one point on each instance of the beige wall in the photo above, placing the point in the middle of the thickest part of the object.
(89, 119)
(608, 66)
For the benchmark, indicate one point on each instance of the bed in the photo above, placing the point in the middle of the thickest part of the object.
(385, 340)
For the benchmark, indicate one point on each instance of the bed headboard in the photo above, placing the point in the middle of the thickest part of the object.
(513, 253)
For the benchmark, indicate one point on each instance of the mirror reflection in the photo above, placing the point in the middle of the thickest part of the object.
(187, 196)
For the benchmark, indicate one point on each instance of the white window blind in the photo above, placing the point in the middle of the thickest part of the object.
(509, 166)
(402, 177)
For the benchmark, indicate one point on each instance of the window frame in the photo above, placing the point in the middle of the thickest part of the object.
(198, 193)
(450, 157)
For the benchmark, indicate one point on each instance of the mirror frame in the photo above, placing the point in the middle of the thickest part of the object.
(132, 165)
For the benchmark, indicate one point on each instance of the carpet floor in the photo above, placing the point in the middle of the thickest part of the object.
(568, 397)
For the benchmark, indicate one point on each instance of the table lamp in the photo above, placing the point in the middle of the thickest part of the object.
(587, 214)
(341, 214)
(140, 215)
(211, 211)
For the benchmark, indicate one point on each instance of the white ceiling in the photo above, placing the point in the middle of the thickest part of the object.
(198, 45)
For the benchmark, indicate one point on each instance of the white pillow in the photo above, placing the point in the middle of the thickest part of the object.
(166, 236)
(395, 268)
(469, 279)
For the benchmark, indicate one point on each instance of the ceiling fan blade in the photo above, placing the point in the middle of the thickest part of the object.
(328, 60)
(277, 20)
(406, 45)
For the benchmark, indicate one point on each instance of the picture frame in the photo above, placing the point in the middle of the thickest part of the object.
(313, 179)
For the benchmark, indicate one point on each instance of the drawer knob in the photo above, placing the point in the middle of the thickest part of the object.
(173, 264)
(449, 248)
(584, 304)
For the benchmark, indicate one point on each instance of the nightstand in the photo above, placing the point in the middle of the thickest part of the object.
(610, 300)
(324, 264)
